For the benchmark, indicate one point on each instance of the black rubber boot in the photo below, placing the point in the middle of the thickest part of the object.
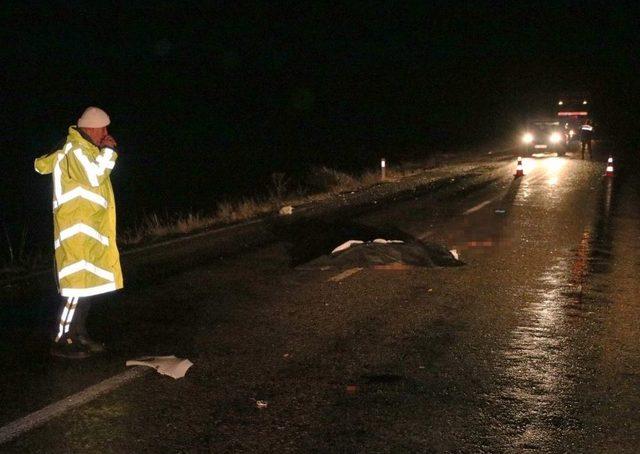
(78, 331)
(88, 343)
(69, 349)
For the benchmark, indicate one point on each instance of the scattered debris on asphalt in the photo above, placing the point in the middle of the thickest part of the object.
(262, 404)
(286, 210)
(500, 211)
(165, 365)
(454, 252)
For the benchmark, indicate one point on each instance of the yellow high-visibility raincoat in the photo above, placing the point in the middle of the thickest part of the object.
(84, 217)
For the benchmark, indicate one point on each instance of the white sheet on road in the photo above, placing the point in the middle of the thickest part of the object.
(165, 365)
(348, 244)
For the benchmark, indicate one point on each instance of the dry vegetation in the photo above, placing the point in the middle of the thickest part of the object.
(320, 184)
(18, 258)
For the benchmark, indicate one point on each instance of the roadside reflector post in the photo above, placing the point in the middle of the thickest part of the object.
(383, 169)
(609, 170)
(519, 168)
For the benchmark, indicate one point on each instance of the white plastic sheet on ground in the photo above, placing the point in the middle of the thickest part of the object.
(165, 365)
(346, 245)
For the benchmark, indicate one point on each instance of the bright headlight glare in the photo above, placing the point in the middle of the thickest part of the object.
(555, 137)
(527, 138)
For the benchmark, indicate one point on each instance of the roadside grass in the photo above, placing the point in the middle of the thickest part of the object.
(319, 184)
(15, 257)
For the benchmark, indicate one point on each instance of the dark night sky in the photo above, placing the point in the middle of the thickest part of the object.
(207, 101)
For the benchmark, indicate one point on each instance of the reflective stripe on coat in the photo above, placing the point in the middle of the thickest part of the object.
(84, 217)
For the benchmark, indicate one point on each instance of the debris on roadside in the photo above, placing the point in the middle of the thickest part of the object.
(455, 254)
(262, 404)
(500, 211)
(286, 210)
(165, 365)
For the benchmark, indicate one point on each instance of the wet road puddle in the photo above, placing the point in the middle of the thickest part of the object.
(541, 367)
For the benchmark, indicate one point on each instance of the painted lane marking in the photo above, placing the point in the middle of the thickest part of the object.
(344, 274)
(40, 417)
(478, 207)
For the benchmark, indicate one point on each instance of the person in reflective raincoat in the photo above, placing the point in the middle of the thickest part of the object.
(84, 224)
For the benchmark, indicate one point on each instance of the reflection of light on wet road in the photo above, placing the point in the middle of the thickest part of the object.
(539, 368)
(607, 197)
(541, 175)
(524, 192)
(580, 264)
(528, 165)
(536, 375)
(554, 167)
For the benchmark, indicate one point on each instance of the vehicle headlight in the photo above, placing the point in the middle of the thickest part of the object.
(527, 138)
(555, 137)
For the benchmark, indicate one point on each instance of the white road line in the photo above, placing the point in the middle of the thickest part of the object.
(40, 417)
(478, 207)
(344, 274)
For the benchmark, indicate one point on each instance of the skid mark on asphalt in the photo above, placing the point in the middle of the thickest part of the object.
(40, 417)
(344, 274)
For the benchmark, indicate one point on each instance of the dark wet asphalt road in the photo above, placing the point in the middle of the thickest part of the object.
(532, 346)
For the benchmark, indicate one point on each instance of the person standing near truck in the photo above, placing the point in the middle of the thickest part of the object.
(586, 135)
(84, 223)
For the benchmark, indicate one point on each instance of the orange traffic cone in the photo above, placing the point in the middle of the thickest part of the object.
(609, 171)
(519, 169)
